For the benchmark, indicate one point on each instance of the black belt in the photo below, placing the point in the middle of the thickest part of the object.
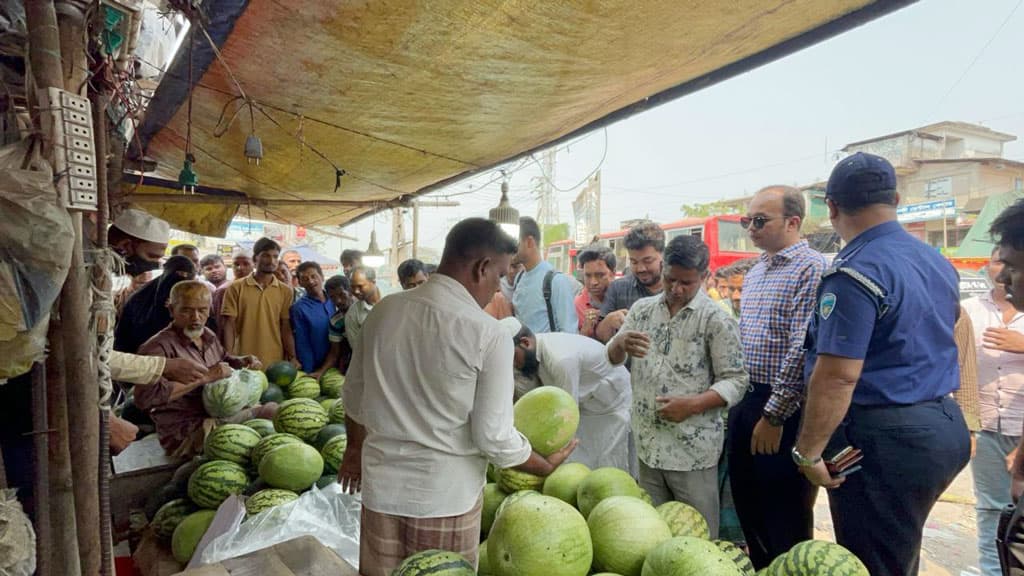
(873, 407)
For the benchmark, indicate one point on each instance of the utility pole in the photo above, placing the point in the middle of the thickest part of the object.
(416, 204)
(547, 207)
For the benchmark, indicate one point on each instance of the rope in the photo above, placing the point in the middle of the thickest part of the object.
(102, 317)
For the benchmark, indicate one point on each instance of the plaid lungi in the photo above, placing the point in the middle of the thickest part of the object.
(385, 539)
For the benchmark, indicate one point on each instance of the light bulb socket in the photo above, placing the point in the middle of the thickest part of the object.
(373, 257)
(505, 215)
(187, 178)
(253, 149)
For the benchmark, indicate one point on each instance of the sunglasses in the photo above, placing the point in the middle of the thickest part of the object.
(757, 222)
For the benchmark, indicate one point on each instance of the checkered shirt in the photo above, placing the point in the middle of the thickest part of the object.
(779, 295)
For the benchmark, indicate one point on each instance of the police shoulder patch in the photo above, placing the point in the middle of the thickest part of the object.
(826, 305)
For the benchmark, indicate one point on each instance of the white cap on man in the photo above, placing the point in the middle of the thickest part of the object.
(511, 326)
(144, 226)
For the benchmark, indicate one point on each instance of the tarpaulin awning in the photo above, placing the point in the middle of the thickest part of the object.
(405, 96)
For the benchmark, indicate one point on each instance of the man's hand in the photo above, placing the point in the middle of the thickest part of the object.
(820, 476)
(557, 458)
(219, 372)
(766, 438)
(1010, 460)
(316, 375)
(251, 362)
(122, 433)
(295, 362)
(350, 472)
(1004, 339)
(616, 319)
(184, 370)
(678, 408)
(636, 344)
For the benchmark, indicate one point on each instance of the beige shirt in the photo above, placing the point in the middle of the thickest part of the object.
(1000, 374)
(135, 369)
(431, 380)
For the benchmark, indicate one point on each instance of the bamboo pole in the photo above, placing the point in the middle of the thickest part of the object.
(62, 496)
(41, 479)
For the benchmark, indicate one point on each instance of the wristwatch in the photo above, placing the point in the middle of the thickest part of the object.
(773, 419)
(802, 461)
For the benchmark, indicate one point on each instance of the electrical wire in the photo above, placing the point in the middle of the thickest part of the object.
(600, 163)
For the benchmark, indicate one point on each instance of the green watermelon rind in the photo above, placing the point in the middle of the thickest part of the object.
(435, 563)
(337, 413)
(303, 417)
(511, 480)
(293, 467)
(304, 387)
(268, 443)
(170, 515)
(548, 417)
(268, 498)
(331, 383)
(623, 530)
(263, 426)
(738, 556)
(333, 452)
(822, 557)
(215, 481)
(282, 373)
(684, 520)
(603, 483)
(225, 397)
(689, 555)
(188, 534)
(231, 442)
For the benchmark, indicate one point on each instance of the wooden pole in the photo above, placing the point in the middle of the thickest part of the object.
(41, 480)
(43, 44)
(62, 496)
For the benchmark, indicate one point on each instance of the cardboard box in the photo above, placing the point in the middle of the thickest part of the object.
(304, 556)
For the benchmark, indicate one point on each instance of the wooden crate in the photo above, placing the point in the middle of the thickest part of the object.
(303, 556)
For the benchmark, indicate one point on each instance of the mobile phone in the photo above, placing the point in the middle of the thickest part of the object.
(840, 455)
(847, 472)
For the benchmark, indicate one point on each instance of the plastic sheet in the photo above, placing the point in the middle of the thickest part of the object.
(329, 515)
(17, 539)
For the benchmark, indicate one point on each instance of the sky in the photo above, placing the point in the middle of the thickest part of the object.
(783, 123)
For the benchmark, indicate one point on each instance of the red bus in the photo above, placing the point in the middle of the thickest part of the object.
(726, 239)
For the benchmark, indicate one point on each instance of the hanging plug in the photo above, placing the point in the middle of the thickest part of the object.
(253, 149)
(187, 178)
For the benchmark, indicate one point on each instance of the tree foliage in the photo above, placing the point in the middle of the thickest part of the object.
(716, 208)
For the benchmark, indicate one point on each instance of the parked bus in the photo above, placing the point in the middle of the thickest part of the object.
(726, 239)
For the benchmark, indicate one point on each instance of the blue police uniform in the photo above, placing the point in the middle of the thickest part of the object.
(892, 301)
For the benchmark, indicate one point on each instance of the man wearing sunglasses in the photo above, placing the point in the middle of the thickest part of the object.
(774, 502)
(882, 362)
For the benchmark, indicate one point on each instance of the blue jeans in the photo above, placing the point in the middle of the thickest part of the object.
(992, 492)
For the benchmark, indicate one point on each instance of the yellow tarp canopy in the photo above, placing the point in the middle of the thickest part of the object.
(404, 95)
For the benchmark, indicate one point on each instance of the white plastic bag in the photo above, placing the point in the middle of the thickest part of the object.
(329, 515)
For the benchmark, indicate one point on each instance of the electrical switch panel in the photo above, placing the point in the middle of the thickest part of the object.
(68, 119)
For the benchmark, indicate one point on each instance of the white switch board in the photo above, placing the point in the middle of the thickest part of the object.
(68, 119)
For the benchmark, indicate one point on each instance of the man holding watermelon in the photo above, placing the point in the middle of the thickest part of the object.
(428, 401)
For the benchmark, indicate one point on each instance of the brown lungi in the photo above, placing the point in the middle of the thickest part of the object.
(385, 540)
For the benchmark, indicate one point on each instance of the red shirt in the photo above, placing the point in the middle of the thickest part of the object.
(583, 303)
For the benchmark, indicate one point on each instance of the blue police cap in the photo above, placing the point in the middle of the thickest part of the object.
(861, 179)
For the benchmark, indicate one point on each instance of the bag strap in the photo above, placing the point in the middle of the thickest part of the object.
(548, 278)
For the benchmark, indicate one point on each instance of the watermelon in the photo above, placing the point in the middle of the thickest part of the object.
(565, 481)
(512, 480)
(601, 484)
(281, 373)
(292, 467)
(225, 397)
(326, 433)
(304, 387)
(188, 534)
(512, 499)
(268, 498)
(327, 403)
(274, 393)
(687, 556)
(684, 520)
(483, 566)
(267, 444)
(492, 472)
(170, 515)
(817, 557)
(623, 530)
(548, 417)
(262, 426)
(646, 497)
(255, 486)
(231, 442)
(326, 480)
(333, 451)
(214, 481)
(435, 563)
(255, 381)
(300, 416)
(738, 557)
(493, 497)
(331, 382)
(156, 499)
(539, 536)
(337, 413)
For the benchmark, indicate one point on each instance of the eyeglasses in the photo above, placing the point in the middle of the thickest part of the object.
(757, 221)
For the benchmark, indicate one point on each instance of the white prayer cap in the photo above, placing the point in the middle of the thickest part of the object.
(144, 226)
(511, 326)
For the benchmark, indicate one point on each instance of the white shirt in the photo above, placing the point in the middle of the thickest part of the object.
(431, 380)
(1000, 374)
(355, 317)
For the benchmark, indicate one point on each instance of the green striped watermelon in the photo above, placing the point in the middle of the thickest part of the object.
(820, 558)
(333, 451)
(274, 393)
(601, 484)
(686, 556)
(188, 534)
(511, 480)
(225, 397)
(328, 432)
(565, 481)
(304, 387)
(262, 426)
(303, 417)
(231, 442)
(214, 481)
(493, 497)
(548, 417)
(170, 515)
(331, 382)
(268, 498)
(684, 520)
(292, 467)
(434, 563)
(267, 444)
(337, 413)
(623, 530)
(738, 557)
(539, 535)
(281, 373)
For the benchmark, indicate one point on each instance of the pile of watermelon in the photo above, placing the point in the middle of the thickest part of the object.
(579, 521)
(269, 462)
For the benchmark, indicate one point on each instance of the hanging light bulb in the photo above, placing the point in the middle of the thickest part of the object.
(505, 215)
(373, 257)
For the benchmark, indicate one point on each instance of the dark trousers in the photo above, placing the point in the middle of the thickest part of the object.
(911, 455)
(774, 502)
